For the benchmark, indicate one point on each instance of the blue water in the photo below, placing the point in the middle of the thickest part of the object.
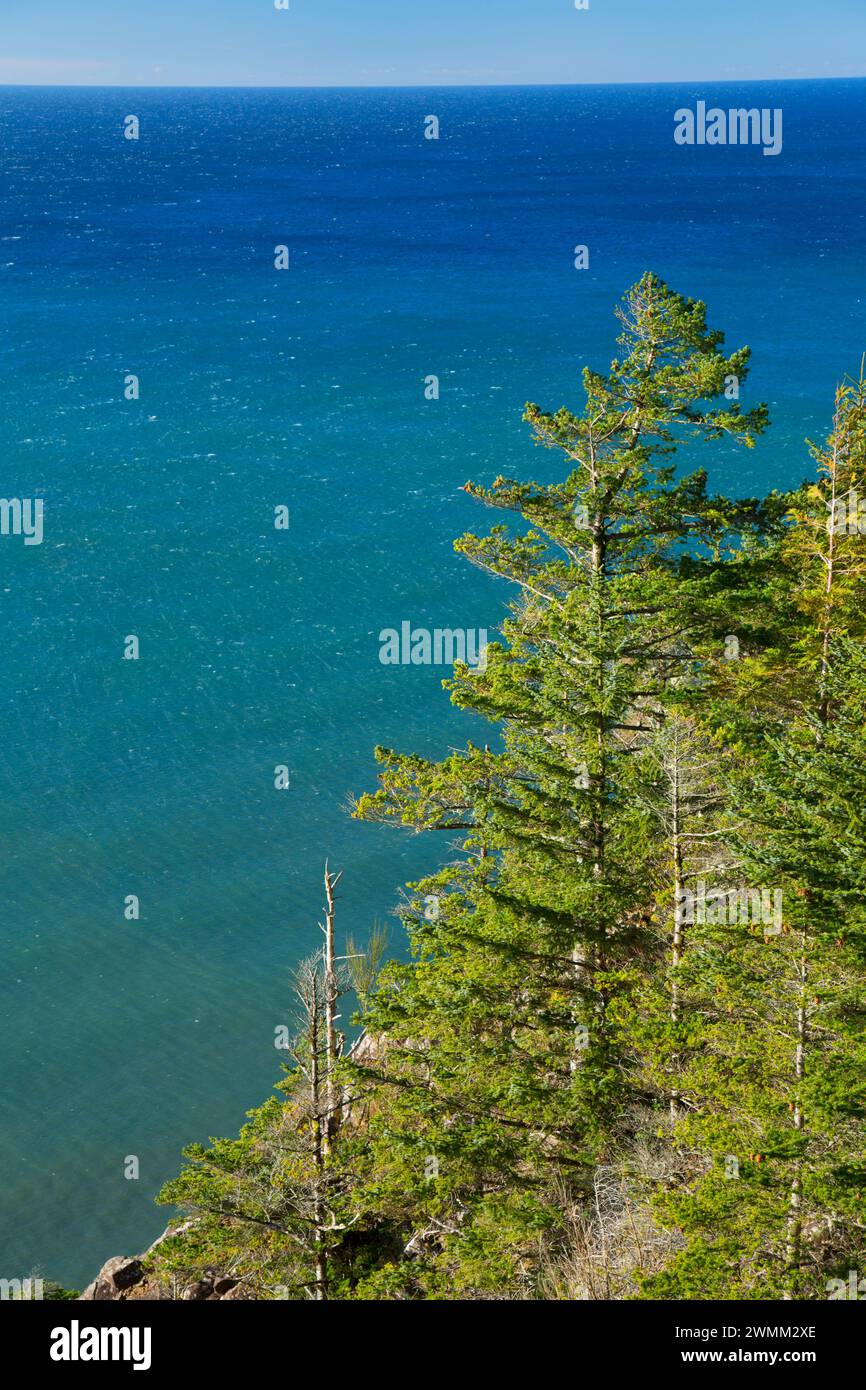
(409, 257)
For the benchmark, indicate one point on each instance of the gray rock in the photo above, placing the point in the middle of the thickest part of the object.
(116, 1275)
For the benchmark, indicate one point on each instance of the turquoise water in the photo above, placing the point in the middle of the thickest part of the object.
(259, 647)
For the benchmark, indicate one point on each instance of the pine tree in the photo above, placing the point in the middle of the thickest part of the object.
(273, 1205)
(506, 1032)
(626, 1054)
(777, 1103)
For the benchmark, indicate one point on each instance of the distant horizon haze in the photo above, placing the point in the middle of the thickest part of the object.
(409, 86)
(386, 43)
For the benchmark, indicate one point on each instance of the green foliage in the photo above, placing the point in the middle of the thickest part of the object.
(571, 1083)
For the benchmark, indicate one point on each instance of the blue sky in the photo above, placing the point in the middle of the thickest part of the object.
(396, 42)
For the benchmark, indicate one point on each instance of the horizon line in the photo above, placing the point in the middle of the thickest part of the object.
(402, 86)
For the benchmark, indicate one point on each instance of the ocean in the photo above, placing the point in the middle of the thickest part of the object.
(305, 388)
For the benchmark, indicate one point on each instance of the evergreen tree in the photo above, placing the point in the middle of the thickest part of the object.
(501, 1033)
(626, 1054)
(274, 1204)
(775, 1083)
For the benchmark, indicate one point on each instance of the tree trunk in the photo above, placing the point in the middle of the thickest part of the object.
(795, 1215)
(320, 1253)
(677, 937)
(331, 996)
